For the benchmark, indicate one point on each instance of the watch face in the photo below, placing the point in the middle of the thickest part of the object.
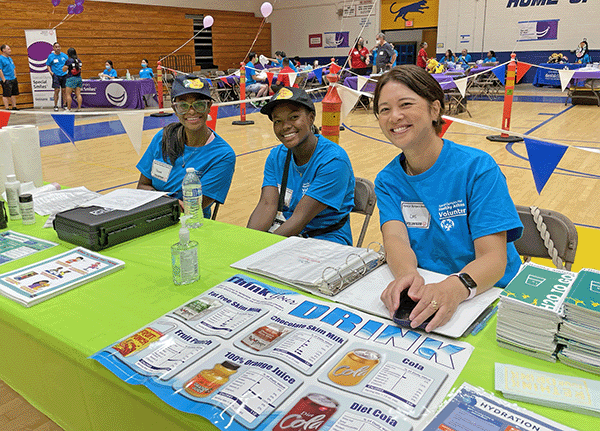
(467, 280)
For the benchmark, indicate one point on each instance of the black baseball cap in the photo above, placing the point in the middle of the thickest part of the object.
(190, 84)
(288, 94)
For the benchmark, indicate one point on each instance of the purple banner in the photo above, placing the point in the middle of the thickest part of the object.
(116, 93)
(337, 39)
(538, 30)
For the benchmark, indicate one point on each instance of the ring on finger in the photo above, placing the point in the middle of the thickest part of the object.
(434, 304)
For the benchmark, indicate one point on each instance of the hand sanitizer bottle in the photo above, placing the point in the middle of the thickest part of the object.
(184, 257)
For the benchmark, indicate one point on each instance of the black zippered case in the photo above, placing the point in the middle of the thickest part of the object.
(97, 228)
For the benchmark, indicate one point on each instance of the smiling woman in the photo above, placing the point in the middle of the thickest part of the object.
(316, 174)
(443, 206)
(189, 143)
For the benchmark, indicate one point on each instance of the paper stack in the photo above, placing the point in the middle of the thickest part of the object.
(530, 310)
(573, 394)
(580, 330)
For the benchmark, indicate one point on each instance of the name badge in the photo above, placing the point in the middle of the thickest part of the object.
(161, 170)
(288, 196)
(416, 215)
(56, 60)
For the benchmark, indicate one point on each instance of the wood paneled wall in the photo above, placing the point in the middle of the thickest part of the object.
(125, 33)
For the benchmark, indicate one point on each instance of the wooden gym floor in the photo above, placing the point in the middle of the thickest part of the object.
(108, 162)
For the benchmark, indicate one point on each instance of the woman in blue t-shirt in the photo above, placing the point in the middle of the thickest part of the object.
(443, 207)
(74, 82)
(319, 190)
(491, 57)
(145, 71)
(109, 72)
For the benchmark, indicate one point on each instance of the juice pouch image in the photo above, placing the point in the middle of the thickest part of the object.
(138, 341)
(198, 308)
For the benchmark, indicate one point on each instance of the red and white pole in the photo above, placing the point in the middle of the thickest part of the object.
(509, 88)
(242, 121)
(159, 93)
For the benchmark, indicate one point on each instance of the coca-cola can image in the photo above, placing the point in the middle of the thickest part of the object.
(310, 413)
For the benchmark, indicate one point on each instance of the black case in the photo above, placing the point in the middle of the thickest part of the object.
(97, 228)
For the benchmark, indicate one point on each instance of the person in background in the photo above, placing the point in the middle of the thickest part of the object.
(466, 228)
(359, 58)
(252, 85)
(448, 57)
(10, 85)
(109, 72)
(582, 54)
(145, 71)
(188, 143)
(422, 56)
(296, 63)
(491, 57)
(74, 83)
(280, 55)
(464, 58)
(55, 62)
(319, 193)
(385, 54)
(283, 77)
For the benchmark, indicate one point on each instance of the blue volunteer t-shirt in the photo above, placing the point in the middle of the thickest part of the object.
(8, 67)
(111, 72)
(327, 178)
(464, 59)
(56, 63)
(250, 72)
(146, 72)
(490, 60)
(214, 164)
(462, 197)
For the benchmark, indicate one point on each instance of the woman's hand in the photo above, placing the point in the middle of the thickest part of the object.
(440, 299)
(391, 295)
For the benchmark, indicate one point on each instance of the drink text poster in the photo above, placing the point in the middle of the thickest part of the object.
(248, 356)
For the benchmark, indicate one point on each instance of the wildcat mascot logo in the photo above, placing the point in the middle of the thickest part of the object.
(419, 7)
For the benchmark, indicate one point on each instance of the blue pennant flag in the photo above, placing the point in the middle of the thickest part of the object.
(500, 72)
(319, 74)
(543, 159)
(66, 123)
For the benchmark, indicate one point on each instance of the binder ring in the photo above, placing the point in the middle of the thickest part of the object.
(381, 249)
(360, 271)
(330, 285)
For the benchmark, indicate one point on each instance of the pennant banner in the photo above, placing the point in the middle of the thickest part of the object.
(211, 121)
(461, 84)
(361, 81)
(349, 99)
(4, 117)
(522, 69)
(445, 127)
(565, 77)
(292, 76)
(543, 159)
(500, 72)
(66, 123)
(133, 123)
(334, 68)
(270, 76)
(319, 74)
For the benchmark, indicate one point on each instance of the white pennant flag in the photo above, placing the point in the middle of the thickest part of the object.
(349, 99)
(565, 77)
(361, 81)
(292, 76)
(461, 84)
(133, 123)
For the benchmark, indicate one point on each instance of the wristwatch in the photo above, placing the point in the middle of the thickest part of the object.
(468, 282)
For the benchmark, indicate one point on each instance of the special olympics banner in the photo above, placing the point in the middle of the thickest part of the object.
(39, 47)
(249, 356)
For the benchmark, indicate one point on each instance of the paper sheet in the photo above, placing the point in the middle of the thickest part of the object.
(62, 200)
(125, 199)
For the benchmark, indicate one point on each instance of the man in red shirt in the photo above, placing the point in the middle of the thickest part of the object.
(283, 77)
(422, 56)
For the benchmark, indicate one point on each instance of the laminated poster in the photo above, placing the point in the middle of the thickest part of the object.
(248, 356)
(14, 245)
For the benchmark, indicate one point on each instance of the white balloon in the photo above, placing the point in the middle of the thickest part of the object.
(266, 8)
(208, 21)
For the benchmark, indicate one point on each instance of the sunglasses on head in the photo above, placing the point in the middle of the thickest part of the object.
(199, 106)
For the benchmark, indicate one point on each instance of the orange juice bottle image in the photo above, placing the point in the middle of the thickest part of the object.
(208, 381)
(353, 367)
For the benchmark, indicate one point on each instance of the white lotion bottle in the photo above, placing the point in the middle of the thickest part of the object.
(13, 187)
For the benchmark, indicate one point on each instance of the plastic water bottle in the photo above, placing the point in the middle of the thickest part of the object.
(192, 198)
(128, 75)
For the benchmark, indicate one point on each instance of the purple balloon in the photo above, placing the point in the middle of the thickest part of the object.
(55, 3)
(79, 2)
(71, 9)
(78, 9)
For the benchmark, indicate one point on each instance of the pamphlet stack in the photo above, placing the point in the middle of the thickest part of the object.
(530, 310)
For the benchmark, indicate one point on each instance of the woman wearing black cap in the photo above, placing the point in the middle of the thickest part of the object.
(319, 185)
(188, 143)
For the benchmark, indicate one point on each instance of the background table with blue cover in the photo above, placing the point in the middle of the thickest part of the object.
(551, 77)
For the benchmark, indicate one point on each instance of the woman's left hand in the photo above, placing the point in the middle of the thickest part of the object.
(439, 298)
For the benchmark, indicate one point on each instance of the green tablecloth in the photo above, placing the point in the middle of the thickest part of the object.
(44, 350)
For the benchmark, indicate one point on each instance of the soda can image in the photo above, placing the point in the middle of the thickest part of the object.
(353, 367)
(310, 413)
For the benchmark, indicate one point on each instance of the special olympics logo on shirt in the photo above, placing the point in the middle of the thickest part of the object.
(447, 224)
(115, 93)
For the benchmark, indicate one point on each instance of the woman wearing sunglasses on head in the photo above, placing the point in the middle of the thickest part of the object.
(188, 143)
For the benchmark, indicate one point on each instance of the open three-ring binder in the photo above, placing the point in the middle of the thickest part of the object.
(315, 265)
